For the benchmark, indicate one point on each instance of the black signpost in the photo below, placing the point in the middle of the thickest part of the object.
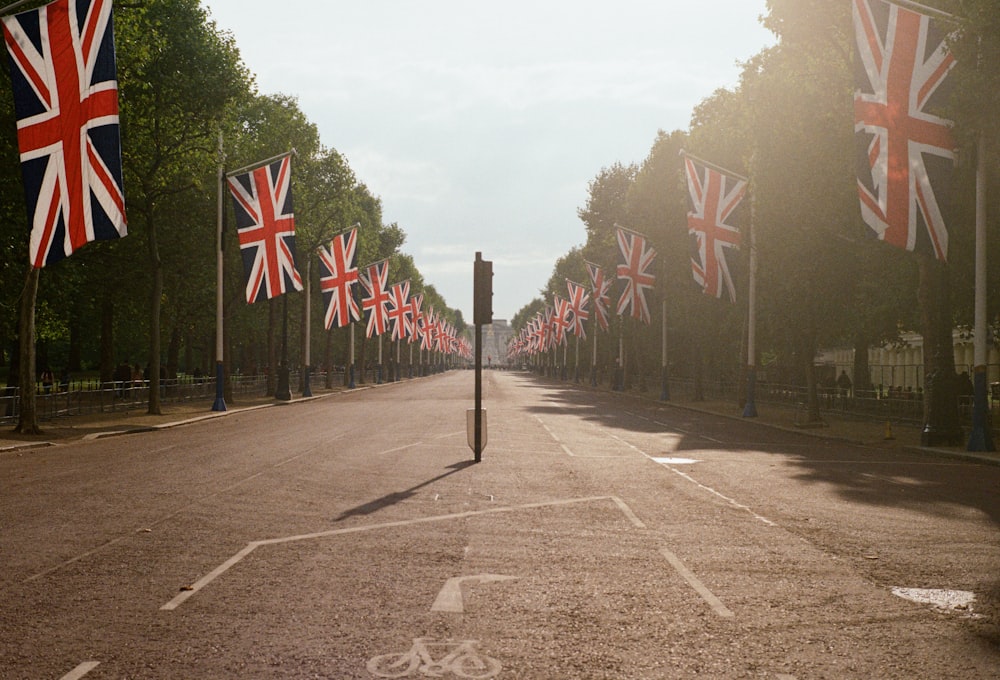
(482, 314)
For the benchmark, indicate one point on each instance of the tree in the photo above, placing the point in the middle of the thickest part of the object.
(180, 76)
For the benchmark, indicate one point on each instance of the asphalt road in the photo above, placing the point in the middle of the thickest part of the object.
(600, 537)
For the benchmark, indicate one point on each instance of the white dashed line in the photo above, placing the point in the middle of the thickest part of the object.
(81, 670)
(706, 594)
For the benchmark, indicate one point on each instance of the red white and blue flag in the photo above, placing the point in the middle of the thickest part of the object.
(399, 311)
(427, 329)
(375, 282)
(634, 271)
(415, 315)
(338, 275)
(578, 299)
(715, 198)
(905, 151)
(560, 320)
(265, 224)
(600, 289)
(65, 84)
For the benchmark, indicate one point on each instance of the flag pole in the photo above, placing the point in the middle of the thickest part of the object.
(664, 381)
(307, 358)
(750, 408)
(220, 373)
(593, 360)
(13, 6)
(260, 164)
(713, 166)
(980, 437)
(930, 11)
(350, 350)
(576, 369)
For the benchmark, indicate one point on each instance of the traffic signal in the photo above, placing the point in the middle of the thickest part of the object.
(482, 309)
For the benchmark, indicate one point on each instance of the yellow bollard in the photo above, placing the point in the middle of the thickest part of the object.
(888, 431)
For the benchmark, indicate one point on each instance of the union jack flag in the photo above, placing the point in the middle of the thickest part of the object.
(374, 282)
(64, 78)
(905, 152)
(578, 299)
(600, 290)
(338, 274)
(714, 199)
(399, 312)
(560, 320)
(415, 314)
(638, 257)
(427, 330)
(262, 201)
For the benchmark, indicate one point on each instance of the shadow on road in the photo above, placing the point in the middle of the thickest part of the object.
(400, 496)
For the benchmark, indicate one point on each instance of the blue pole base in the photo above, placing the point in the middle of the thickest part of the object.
(220, 400)
(664, 386)
(350, 377)
(981, 436)
(750, 408)
(306, 389)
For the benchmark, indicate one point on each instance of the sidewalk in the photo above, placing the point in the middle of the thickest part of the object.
(94, 425)
(856, 431)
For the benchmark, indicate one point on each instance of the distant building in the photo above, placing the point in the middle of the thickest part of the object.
(903, 365)
(495, 338)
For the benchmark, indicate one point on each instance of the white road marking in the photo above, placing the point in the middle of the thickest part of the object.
(729, 500)
(676, 461)
(450, 597)
(951, 600)
(691, 479)
(81, 670)
(706, 594)
(568, 451)
(188, 591)
(674, 427)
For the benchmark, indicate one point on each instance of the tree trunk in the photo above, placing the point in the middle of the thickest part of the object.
(272, 347)
(154, 317)
(362, 359)
(107, 367)
(862, 371)
(328, 358)
(808, 361)
(941, 419)
(27, 421)
(174, 352)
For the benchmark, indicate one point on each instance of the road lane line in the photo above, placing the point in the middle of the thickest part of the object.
(674, 427)
(628, 512)
(694, 481)
(81, 670)
(729, 500)
(706, 594)
(189, 591)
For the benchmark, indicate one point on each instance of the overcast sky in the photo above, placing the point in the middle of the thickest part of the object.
(480, 124)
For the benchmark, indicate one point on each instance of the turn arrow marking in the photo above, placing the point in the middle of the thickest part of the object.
(450, 597)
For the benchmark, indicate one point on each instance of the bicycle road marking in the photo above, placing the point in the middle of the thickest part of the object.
(450, 597)
(81, 670)
(189, 591)
(706, 594)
